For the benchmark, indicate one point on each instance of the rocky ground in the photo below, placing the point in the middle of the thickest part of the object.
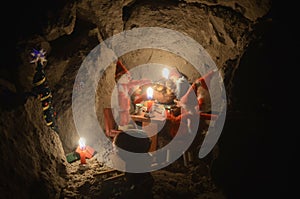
(175, 181)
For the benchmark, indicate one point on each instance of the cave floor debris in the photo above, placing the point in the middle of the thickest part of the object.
(94, 180)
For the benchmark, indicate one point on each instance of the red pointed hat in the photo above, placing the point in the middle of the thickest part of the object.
(189, 100)
(120, 69)
(206, 79)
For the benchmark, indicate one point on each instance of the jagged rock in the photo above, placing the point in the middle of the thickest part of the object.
(32, 156)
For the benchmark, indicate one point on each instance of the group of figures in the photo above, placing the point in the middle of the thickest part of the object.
(132, 91)
(182, 97)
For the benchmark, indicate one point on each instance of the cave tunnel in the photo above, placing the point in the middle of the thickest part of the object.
(69, 80)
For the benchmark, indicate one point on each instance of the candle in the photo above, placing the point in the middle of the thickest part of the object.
(149, 103)
(82, 157)
(82, 150)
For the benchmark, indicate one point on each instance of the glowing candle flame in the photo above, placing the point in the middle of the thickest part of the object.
(165, 73)
(149, 93)
(82, 143)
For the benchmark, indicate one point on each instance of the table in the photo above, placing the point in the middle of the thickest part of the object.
(151, 126)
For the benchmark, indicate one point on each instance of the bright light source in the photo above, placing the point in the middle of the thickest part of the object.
(166, 73)
(81, 143)
(149, 93)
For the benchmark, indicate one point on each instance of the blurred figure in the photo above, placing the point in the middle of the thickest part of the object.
(126, 87)
(139, 185)
(196, 100)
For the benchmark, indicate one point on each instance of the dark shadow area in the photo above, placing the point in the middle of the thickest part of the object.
(254, 160)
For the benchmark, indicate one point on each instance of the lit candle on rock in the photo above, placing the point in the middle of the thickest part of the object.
(149, 96)
(82, 150)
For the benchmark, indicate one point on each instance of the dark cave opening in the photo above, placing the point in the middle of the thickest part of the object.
(251, 152)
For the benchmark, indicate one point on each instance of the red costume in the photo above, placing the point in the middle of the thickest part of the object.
(188, 107)
(204, 82)
(125, 90)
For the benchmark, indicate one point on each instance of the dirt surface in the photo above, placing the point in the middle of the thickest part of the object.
(175, 181)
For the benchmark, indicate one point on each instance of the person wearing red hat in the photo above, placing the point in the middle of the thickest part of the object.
(200, 88)
(126, 87)
(120, 70)
(202, 84)
(122, 77)
(192, 104)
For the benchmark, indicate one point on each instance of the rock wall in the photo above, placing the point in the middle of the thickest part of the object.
(223, 28)
(33, 155)
(33, 163)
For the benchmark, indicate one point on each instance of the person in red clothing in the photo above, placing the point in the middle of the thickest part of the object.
(126, 87)
(195, 107)
(191, 106)
(122, 78)
(200, 88)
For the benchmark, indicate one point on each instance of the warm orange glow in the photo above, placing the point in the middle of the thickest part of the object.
(82, 150)
(149, 104)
